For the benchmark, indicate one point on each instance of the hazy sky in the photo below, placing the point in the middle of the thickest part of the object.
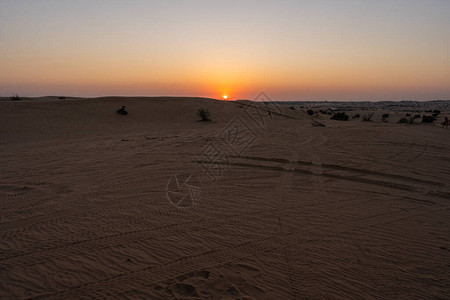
(291, 49)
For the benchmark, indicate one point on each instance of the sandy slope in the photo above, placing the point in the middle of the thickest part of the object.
(351, 210)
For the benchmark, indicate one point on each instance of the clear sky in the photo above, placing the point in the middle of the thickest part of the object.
(291, 49)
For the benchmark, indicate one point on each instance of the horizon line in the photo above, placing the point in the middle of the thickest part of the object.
(202, 97)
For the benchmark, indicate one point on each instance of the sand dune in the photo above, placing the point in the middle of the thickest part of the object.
(250, 206)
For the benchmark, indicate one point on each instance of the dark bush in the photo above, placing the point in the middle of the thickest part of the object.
(368, 117)
(341, 116)
(428, 119)
(15, 97)
(417, 116)
(122, 111)
(310, 112)
(408, 114)
(384, 117)
(203, 114)
(403, 120)
(436, 112)
(356, 116)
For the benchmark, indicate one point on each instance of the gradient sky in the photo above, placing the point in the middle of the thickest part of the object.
(291, 49)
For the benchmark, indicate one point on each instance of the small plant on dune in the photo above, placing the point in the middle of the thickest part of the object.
(385, 117)
(406, 120)
(403, 120)
(428, 119)
(340, 116)
(436, 113)
(15, 97)
(203, 114)
(310, 112)
(408, 114)
(356, 116)
(368, 117)
(417, 116)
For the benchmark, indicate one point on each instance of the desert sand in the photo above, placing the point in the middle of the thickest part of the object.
(156, 205)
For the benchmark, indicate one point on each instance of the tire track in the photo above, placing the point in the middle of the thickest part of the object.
(110, 287)
(343, 168)
(54, 250)
(284, 186)
(88, 207)
(88, 245)
(388, 184)
(81, 211)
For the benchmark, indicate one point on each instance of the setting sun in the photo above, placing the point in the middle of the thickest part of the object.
(225, 97)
